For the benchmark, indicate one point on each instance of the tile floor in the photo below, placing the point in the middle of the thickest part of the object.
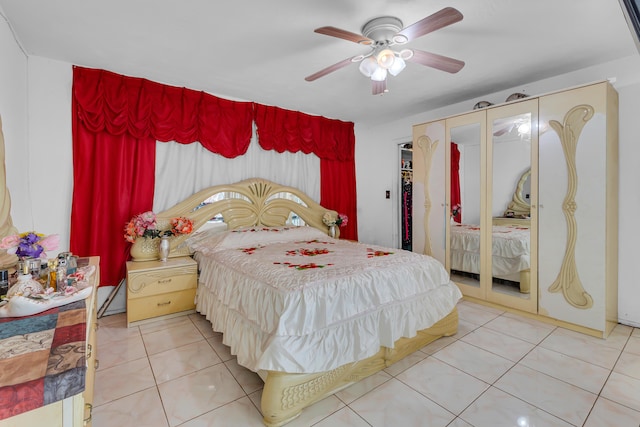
(500, 369)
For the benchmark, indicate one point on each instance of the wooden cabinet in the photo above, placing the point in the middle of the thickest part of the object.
(578, 223)
(74, 411)
(552, 161)
(156, 288)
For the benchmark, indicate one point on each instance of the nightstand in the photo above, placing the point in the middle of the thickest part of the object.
(156, 288)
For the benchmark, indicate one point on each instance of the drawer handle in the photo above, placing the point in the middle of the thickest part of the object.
(88, 406)
(160, 304)
(164, 281)
(89, 351)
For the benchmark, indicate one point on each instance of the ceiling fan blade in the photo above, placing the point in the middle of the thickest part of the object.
(434, 60)
(378, 88)
(344, 34)
(440, 19)
(329, 69)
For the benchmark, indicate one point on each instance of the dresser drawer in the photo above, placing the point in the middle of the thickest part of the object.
(160, 305)
(147, 283)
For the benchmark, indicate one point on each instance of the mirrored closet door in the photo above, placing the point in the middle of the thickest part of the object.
(466, 155)
(511, 215)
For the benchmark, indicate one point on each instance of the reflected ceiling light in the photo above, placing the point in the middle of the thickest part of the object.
(524, 128)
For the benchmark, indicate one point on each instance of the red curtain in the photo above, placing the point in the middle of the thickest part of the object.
(116, 121)
(455, 181)
(333, 141)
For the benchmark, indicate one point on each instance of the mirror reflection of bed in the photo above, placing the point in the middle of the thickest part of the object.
(510, 207)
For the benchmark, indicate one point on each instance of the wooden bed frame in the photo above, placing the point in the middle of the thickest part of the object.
(256, 202)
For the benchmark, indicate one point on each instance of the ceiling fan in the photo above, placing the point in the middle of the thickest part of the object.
(384, 32)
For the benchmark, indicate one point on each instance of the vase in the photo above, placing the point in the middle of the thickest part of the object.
(163, 248)
(332, 231)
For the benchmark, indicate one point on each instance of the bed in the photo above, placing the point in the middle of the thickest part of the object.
(510, 247)
(310, 314)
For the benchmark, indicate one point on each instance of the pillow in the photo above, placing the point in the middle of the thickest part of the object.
(253, 236)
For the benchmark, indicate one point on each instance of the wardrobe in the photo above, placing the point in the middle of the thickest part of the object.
(519, 201)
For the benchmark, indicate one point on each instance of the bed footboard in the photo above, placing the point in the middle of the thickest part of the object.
(285, 395)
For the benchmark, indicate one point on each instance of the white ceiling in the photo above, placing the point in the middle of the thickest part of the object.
(261, 50)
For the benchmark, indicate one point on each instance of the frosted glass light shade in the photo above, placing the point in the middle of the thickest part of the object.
(386, 58)
(379, 75)
(368, 66)
(398, 65)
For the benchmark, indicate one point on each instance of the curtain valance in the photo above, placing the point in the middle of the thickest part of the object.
(113, 103)
(285, 130)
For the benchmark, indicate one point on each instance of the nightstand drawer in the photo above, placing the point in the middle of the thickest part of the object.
(159, 305)
(147, 283)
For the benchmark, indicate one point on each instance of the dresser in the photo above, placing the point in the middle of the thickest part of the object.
(157, 288)
(75, 325)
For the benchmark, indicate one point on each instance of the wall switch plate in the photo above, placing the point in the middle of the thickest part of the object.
(387, 194)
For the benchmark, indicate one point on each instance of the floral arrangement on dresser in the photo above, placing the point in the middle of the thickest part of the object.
(146, 225)
(30, 244)
(340, 220)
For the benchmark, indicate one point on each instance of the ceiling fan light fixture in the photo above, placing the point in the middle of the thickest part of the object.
(397, 67)
(379, 75)
(406, 54)
(368, 66)
(386, 58)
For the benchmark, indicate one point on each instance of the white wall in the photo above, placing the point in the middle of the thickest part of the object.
(13, 110)
(39, 161)
(376, 166)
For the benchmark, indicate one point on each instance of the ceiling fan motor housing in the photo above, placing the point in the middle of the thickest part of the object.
(382, 29)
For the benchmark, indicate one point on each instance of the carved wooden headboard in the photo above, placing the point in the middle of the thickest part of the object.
(252, 202)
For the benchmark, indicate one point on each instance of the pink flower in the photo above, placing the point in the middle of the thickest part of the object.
(343, 220)
(10, 242)
(50, 243)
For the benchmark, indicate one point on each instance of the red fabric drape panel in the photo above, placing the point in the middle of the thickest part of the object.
(114, 178)
(455, 181)
(116, 121)
(333, 141)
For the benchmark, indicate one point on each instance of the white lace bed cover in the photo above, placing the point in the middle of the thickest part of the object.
(314, 305)
(509, 245)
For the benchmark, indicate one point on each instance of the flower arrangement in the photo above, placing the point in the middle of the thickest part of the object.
(30, 244)
(340, 220)
(145, 225)
(456, 209)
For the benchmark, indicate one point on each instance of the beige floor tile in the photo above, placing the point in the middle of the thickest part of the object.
(623, 389)
(582, 374)
(223, 351)
(183, 360)
(475, 361)
(141, 409)
(317, 412)
(194, 394)
(449, 387)
(362, 387)
(173, 337)
(520, 327)
(474, 314)
(497, 408)
(404, 364)
(628, 364)
(345, 417)
(248, 380)
(608, 413)
(503, 345)
(583, 347)
(633, 346)
(122, 380)
(112, 353)
(241, 412)
(380, 407)
(567, 402)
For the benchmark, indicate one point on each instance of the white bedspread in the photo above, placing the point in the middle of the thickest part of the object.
(312, 305)
(510, 249)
